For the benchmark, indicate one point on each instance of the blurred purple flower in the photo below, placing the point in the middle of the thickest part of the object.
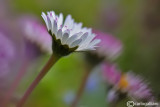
(7, 53)
(37, 33)
(134, 86)
(31, 50)
(17, 49)
(109, 47)
(7, 65)
(111, 74)
(137, 88)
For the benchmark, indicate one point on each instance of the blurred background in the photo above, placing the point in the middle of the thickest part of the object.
(135, 22)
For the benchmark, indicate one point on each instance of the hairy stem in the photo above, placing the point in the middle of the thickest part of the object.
(42, 73)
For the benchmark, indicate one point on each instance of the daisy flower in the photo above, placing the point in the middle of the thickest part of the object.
(128, 83)
(37, 33)
(7, 67)
(7, 53)
(134, 86)
(68, 36)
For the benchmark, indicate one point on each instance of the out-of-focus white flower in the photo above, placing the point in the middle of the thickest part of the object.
(7, 53)
(36, 33)
(68, 36)
(7, 57)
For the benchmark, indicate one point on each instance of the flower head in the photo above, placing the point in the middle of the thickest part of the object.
(68, 36)
(136, 86)
(109, 47)
(127, 83)
(7, 68)
(111, 74)
(36, 33)
(7, 53)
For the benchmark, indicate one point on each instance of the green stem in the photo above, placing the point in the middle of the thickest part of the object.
(42, 73)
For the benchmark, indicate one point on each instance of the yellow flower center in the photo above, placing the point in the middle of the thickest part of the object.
(123, 83)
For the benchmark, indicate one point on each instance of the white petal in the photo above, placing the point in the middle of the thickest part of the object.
(60, 20)
(87, 41)
(45, 19)
(49, 23)
(59, 34)
(84, 36)
(84, 29)
(64, 38)
(53, 14)
(73, 38)
(89, 30)
(50, 17)
(55, 28)
(94, 42)
(76, 28)
(85, 49)
(66, 31)
(68, 22)
(75, 43)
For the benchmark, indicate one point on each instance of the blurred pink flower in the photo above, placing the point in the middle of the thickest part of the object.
(111, 74)
(16, 54)
(137, 88)
(7, 53)
(37, 33)
(109, 47)
(7, 64)
(134, 86)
